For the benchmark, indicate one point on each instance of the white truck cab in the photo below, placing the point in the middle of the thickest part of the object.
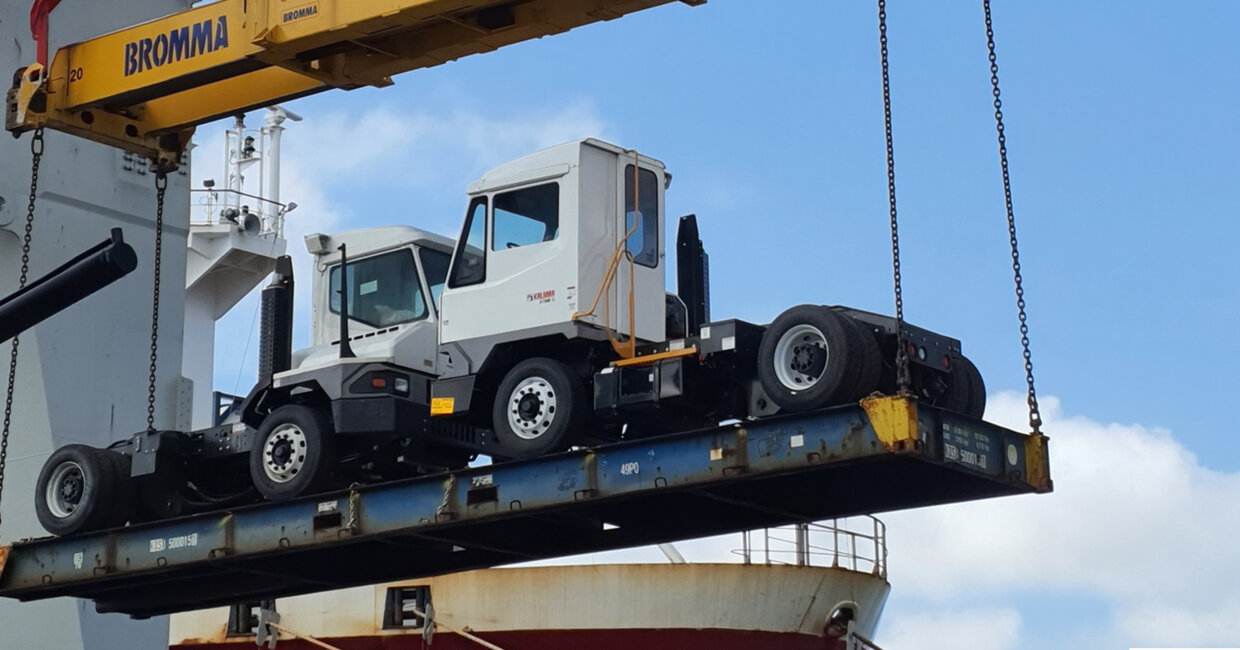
(539, 238)
(395, 279)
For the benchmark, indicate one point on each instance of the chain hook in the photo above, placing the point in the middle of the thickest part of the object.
(1035, 414)
(36, 151)
(903, 375)
(161, 186)
(36, 143)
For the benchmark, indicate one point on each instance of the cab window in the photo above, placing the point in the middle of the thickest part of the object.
(384, 290)
(435, 266)
(527, 216)
(469, 263)
(643, 221)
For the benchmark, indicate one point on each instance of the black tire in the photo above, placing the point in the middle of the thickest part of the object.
(75, 490)
(808, 359)
(294, 453)
(966, 392)
(538, 408)
(955, 394)
(870, 364)
(976, 406)
(125, 496)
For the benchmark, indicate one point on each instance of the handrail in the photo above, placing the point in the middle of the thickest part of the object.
(853, 543)
(271, 213)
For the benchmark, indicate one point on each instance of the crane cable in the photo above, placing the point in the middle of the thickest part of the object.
(1035, 415)
(36, 156)
(903, 380)
(161, 187)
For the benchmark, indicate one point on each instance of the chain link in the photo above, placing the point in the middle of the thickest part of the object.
(1035, 414)
(36, 156)
(903, 379)
(161, 187)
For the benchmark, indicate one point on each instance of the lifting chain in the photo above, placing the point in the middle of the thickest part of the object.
(36, 156)
(903, 379)
(1035, 415)
(161, 187)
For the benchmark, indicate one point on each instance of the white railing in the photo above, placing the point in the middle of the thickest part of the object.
(216, 206)
(854, 543)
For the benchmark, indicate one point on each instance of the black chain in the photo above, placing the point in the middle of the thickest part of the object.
(161, 186)
(1035, 415)
(902, 370)
(36, 156)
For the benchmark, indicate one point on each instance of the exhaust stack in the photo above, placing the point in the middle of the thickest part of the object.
(692, 274)
(275, 351)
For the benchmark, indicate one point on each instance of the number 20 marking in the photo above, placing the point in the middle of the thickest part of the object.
(75, 75)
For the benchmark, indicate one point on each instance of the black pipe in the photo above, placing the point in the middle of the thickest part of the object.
(346, 350)
(275, 347)
(73, 281)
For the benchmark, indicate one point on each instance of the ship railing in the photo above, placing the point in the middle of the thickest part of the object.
(854, 543)
(215, 206)
(855, 641)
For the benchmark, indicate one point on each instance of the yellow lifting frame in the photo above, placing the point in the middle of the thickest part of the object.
(144, 88)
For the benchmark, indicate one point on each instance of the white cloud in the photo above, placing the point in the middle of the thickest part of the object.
(1135, 520)
(386, 145)
(996, 628)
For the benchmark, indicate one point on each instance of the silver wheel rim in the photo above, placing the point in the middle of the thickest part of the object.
(531, 408)
(796, 355)
(284, 453)
(65, 489)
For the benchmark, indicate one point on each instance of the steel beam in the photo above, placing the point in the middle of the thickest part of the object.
(783, 470)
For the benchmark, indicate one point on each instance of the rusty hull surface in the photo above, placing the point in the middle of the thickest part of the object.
(765, 473)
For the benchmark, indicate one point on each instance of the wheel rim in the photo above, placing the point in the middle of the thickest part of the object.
(65, 489)
(801, 356)
(531, 408)
(284, 453)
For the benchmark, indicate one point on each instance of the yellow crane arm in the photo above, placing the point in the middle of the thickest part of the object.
(144, 88)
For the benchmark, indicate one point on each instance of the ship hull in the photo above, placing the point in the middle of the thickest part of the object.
(595, 607)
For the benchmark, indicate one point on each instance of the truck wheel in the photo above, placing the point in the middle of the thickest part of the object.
(806, 358)
(125, 496)
(538, 407)
(75, 490)
(976, 406)
(870, 358)
(294, 453)
(965, 393)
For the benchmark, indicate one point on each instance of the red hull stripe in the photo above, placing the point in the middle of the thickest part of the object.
(561, 640)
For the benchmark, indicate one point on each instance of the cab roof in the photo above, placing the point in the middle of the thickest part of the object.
(552, 162)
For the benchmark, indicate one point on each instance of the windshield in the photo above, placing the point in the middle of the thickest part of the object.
(383, 290)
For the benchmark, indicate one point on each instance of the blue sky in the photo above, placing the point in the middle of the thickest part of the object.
(1125, 157)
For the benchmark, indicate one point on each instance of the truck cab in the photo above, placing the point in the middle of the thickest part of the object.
(395, 279)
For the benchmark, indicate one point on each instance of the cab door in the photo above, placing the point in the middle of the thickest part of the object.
(640, 223)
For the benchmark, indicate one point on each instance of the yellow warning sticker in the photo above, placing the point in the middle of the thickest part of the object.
(442, 405)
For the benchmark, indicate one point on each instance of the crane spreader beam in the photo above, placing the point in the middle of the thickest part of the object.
(888, 454)
(144, 88)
